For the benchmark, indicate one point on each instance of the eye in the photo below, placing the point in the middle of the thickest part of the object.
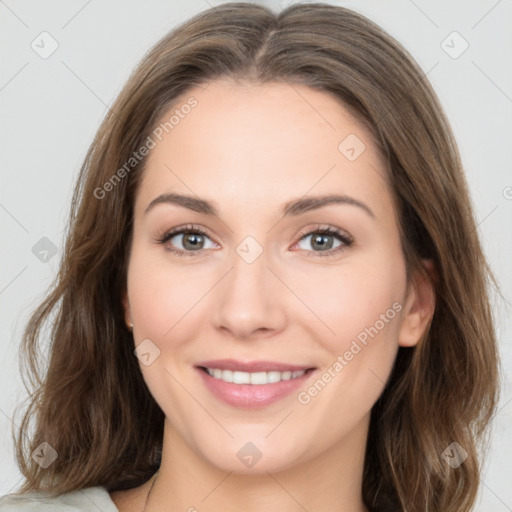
(190, 239)
(187, 239)
(324, 241)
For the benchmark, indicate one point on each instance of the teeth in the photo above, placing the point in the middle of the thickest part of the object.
(238, 377)
(256, 378)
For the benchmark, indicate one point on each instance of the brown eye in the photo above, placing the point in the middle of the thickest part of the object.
(187, 240)
(191, 241)
(323, 241)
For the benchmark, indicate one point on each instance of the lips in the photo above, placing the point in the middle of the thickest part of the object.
(251, 385)
(254, 366)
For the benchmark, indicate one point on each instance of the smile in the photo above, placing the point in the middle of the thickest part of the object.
(255, 378)
(252, 385)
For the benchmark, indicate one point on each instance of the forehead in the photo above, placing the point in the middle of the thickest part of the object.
(244, 141)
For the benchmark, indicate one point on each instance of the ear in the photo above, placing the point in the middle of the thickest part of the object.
(127, 311)
(419, 306)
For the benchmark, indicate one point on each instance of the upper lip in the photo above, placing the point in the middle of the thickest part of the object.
(252, 366)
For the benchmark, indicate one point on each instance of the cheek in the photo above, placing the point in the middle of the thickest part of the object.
(359, 301)
(162, 301)
(161, 295)
(362, 305)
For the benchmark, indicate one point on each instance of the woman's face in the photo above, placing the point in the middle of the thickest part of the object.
(284, 273)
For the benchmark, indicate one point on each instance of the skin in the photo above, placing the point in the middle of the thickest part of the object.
(249, 149)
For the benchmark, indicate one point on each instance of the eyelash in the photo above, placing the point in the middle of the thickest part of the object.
(345, 238)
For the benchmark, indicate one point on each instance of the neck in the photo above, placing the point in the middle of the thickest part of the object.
(331, 481)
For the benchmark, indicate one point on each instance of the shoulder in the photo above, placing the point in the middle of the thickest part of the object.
(91, 499)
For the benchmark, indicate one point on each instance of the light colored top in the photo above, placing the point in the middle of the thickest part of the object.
(92, 499)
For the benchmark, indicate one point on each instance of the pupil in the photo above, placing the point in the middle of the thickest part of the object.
(322, 241)
(193, 241)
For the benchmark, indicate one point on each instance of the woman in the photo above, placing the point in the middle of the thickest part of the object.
(272, 295)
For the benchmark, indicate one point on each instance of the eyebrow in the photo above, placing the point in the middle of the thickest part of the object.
(294, 207)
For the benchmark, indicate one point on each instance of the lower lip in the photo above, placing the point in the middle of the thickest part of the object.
(251, 396)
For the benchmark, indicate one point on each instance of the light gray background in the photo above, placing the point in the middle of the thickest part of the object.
(52, 107)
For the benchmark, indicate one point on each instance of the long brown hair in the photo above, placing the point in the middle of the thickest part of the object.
(90, 402)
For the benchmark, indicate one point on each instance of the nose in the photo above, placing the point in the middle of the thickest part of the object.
(249, 302)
